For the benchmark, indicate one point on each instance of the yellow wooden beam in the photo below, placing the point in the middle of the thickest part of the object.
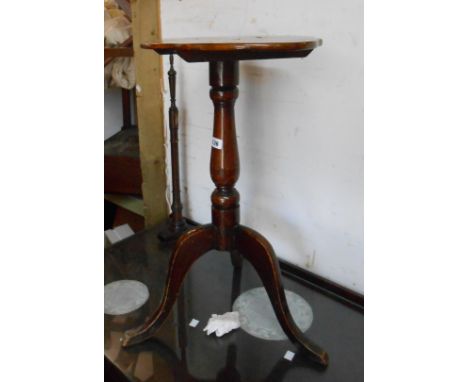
(146, 25)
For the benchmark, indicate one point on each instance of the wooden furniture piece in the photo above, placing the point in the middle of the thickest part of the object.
(178, 352)
(125, 49)
(225, 233)
(122, 168)
(176, 224)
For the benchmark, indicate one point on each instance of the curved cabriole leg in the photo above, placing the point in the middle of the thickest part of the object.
(188, 249)
(258, 251)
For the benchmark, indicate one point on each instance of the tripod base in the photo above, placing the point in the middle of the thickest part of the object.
(250, 245)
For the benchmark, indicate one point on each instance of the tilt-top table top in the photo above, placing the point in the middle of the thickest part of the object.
(236, 48)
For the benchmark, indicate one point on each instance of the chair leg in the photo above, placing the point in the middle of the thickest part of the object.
(258, 251)
(190, 246)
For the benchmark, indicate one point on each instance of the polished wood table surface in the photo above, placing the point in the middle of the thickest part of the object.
(225, 233)
(237, 48)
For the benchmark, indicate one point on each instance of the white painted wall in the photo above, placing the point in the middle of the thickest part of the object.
(299, 126)
(112, 112)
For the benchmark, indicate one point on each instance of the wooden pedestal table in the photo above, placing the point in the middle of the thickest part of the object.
(225, 233)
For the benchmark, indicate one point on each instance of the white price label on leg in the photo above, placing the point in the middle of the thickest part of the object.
(217, 143)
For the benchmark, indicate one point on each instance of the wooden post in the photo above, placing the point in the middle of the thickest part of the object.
(146, 25)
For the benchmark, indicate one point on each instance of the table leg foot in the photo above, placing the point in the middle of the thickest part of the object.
(258, 251)
(190, 246)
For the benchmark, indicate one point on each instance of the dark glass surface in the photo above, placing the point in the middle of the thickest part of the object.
(181, 353)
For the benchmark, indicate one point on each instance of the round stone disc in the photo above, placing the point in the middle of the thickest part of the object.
(257, 317)
(124, 296)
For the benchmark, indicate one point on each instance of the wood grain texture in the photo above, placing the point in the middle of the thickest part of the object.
(117, 52)
(225, 233)
(146, 26)
(122, 175)
(122, 169)
(125, 49)
(236, 48)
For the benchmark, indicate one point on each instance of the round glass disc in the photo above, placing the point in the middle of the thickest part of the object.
(124, 296)
(257, 317)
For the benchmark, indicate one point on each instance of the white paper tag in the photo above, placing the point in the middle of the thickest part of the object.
(194, 323)
(217, 143)
(289, 355)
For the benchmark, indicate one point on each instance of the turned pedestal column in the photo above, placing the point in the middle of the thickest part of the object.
(225, 233)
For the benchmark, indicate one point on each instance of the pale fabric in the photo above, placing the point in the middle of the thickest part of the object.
(117, 28)
(222, 324)
(123, 72)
